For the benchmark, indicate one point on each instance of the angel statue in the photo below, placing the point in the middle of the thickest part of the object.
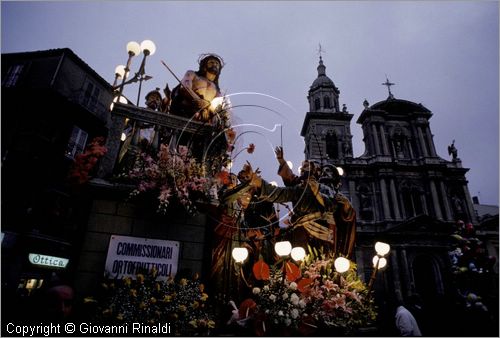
(452, 150)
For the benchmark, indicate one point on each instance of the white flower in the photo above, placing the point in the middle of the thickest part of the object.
(272, 298)
(294, 314)
(294, 299)
(293, 286)
(288, 321)
(256, 291)
(302, 303)
(285, 296)
(266, 288)
(280, 313)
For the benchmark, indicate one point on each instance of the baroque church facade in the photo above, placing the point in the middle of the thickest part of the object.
(404, 193)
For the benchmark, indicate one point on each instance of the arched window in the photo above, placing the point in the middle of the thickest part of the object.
(317, 104)
(326, 102)
(331, 142)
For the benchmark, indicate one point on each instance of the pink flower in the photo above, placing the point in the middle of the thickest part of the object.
(183, 151)
(353, 295)
(165, 194)
(329, 285)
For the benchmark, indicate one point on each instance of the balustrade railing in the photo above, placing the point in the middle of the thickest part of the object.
(205, 141)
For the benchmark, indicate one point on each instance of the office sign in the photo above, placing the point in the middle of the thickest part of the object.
(129, 256)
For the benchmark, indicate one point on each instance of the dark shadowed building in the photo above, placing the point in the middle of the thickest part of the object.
(405, 194)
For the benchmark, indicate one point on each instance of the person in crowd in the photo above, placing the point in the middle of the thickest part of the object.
(406, 323)
(59, 302)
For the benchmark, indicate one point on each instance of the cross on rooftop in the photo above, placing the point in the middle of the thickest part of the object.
(320, 50)
(388, 84)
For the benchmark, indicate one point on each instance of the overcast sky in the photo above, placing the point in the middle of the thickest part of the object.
(443, 54)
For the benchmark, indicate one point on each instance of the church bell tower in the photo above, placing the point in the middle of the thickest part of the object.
(326, 129)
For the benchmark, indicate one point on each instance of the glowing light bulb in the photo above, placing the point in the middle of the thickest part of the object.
(283, 248)
(382, 262)
(341, 264)
(298, 253)
(240, 254)
(382, 248)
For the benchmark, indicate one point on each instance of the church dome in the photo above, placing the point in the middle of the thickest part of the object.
(323, 96)
(322, 80)
(392, 105)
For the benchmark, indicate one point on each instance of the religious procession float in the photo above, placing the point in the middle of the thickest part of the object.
(297, 278)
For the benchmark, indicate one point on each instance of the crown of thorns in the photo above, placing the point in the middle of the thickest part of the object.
(211, 56)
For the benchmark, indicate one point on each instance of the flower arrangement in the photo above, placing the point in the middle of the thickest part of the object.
(280, 303)
(173, 175)
(177, 176)
(85, 162)
(182, 303)
(335, 300)
(310, 298)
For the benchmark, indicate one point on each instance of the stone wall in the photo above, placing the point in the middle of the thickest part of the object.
(111, 216)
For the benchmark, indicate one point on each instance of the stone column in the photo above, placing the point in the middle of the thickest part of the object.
(422, 142)
(385, 200)
(375, 139)
(410, 148)
(430, 141)
(406, 272)
(354, 197)
(395, 274)
(470, 208)
(384, 140)
(376, 209)
(435, 200)
(423, 201)
(447, 210)
(395, 199)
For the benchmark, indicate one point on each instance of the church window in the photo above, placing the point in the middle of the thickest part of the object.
(317, 104)
(332, 148)
(326, 102)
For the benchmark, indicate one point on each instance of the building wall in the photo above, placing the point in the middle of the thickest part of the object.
(114, 216)
(404, 194)
(72, 83)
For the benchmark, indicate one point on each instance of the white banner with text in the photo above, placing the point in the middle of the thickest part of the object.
(129, 256)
